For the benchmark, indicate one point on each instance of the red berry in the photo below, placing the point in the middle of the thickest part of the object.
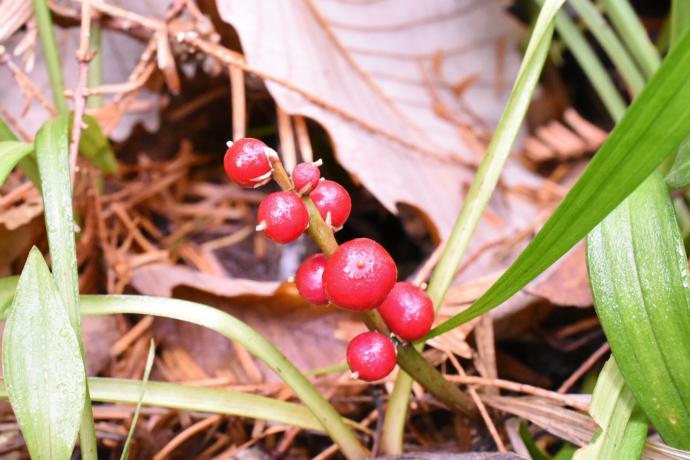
(331, 197)
(305, 177)
(408, 311)
(246, 163)
(371, 355)
(359, 275)
(283, 217)
(309, 279)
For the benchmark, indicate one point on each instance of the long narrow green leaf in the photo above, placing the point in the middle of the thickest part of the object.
(634, 35)
(639, 277)
(590, 64)
(655, 124)
(477, 199)
(614, 409)
(610, 42)
(11, 152)
(142, 391)
(234, 329)
(53, 165)
(42, 364)
(211, 400)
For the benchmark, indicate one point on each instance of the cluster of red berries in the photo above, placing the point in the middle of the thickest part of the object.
(359, 276)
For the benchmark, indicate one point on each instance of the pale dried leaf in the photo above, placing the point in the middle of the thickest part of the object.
(161, 280)
(380, 71)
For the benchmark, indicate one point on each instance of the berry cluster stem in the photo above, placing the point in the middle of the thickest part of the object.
(409, 359)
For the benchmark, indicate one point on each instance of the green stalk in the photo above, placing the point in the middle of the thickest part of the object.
(95, 66)
(476, 201)
(633, 33)
(608, 40)
(255, 343)
(590, 64)
(44, 23)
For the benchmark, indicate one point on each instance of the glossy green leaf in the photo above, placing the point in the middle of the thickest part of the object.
(11, 152)
(142, 391)
(42, 364)
(639, 276)
(651, 129)
(679, 175)
(96, 148)
(616, 412)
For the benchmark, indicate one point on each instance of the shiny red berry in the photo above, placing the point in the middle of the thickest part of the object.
(333, 202)
(283, 217)
(408, 311)
(309, 279)
(359, 275)
(305, 177)
(246, 163)
(371, 356)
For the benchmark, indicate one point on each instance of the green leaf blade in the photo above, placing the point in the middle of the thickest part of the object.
(11, 153)
(42, 364)
(95, 147)
(653, 127)
(639, 278)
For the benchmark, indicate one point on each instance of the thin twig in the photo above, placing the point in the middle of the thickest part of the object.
(480, 405)
(84, 56)
(584, 367)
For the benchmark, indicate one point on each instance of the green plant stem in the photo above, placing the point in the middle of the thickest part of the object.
(95, 75)
(409, 359)
(53, 165)
(633, 33)
(256, 344)
(44, 23)
(211, 400)
(590, 64)
(608, 40)
(477, 199)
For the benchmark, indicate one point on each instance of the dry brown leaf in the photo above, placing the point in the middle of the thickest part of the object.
(100, 333)
(161, 279)
(120, 55)
(567, 284)
(372, 66)
(304, 333)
